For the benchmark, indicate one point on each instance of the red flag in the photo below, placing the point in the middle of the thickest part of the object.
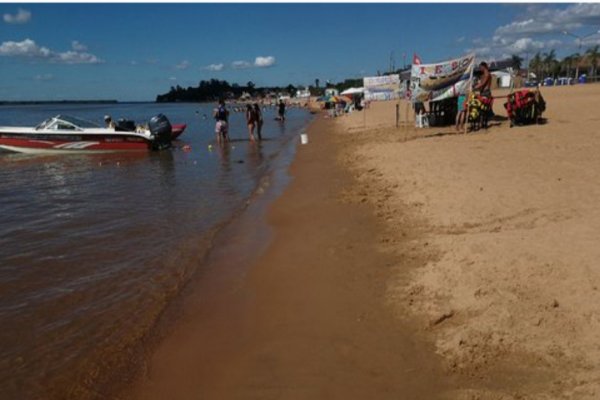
(416, 59)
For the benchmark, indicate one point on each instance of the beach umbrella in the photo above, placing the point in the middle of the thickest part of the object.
(340, 99)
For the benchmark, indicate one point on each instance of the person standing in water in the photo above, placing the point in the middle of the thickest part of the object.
(221, 115)
(259, 121)
(251, 120)
(281, 112)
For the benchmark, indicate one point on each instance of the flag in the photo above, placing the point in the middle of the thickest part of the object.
(416, 59)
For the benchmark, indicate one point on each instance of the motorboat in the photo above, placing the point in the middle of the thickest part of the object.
(66, 134)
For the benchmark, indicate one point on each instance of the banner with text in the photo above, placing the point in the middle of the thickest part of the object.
(385, 87)
(434, 82)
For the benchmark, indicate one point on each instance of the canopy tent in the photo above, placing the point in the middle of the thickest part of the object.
(353, 90)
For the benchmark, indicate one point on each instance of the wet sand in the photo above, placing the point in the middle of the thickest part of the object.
(309, 317)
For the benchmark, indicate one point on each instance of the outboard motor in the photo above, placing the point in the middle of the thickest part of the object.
(160, 128)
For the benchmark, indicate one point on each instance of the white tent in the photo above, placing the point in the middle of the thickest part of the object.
(504, 78)
(353, 90)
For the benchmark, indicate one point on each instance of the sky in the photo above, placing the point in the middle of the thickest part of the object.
(133, 52)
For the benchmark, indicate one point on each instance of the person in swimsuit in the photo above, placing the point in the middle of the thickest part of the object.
(251, 120)
(259, 121)
(485, 82)
(485, 85)
(221, 115)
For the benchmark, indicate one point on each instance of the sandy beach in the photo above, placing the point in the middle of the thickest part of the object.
(405, 263)
(506, 221)
(305, 319)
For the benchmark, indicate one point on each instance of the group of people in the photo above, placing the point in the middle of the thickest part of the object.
(254, 120)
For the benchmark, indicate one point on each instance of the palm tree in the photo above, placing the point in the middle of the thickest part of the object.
(516, 62)
(593, 55)
(576, 60)
(549, 61)
(565, 65)
(535, 64)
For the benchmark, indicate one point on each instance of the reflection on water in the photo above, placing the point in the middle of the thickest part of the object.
(93, 247)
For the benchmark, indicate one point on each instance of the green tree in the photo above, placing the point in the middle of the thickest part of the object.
(576, 57)
(290, 89)
(536, 65)
(549, 62)
(517, 62)
(593, 54)
(566, 64)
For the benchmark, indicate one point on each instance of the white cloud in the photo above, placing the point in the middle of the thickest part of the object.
(133, 62)
(26, 48)
(240, 64)
(21, 17)
(75, 45)
(553, 20)
(499, 48)
(185, 64)
(263, 62)
(215, 67)
(44, 77)
(29, 49)
(539, 28)
(259, 62)
(75, 57)
(172, 78)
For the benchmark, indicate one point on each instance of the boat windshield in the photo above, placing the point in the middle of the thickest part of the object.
(44, 124)
(80, 123)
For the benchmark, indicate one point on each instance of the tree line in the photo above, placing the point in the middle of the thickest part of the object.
(547, 65)
(214, 89)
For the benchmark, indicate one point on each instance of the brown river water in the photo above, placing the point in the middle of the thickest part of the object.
(93, 248)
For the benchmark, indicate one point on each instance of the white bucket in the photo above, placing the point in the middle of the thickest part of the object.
(303, 138)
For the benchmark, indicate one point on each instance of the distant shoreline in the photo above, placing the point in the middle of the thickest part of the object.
(35, 102)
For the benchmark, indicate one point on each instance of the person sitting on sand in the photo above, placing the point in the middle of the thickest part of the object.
(251, 120)
(221, 115)
(259, 121)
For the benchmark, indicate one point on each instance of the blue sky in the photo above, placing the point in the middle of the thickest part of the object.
(136, 51)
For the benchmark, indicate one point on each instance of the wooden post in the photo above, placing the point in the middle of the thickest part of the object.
(408, 120)
(469, 91)
(397, 114)
(365, 115)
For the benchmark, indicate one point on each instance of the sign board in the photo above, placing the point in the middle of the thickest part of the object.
(434, 82)
(385, 87)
